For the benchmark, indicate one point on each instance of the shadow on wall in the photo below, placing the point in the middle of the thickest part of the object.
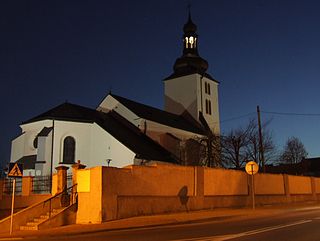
(183, 196)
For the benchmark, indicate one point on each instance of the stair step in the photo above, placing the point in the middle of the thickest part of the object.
(28, 228)
(53, 212)
(39, 220)
(32, 223)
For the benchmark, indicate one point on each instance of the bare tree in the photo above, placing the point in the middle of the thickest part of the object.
(233, 147)
(242, 144)
(210, 151)
(201, 151)
(252, 147)
(294, 151)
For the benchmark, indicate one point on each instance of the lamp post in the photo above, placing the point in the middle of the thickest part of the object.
(52, 145)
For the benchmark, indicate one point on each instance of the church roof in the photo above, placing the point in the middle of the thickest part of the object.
(121, 129)
(29, 162)
(66, 111)
(160, 116)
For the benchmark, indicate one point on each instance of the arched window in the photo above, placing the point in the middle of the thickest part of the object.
(69, 147)
(208, 107)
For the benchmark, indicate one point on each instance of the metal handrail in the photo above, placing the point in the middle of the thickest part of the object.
(66, 200)
(70, 200)
(62, 192)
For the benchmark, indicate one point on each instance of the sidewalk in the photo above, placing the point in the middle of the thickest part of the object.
(164, 219)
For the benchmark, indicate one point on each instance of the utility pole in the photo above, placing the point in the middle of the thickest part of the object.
(261, 151)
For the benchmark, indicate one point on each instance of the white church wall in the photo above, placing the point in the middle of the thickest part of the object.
(215, 108)
(188, 92)
(181, 95)
(93, 146)
(81, 132)
(213, 119)
(17, 148)
(44, 155)
(104, 146)
(23, 145)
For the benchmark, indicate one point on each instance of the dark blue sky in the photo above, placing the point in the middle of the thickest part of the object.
(263, 52)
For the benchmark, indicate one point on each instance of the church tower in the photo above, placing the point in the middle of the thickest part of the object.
(190, 90)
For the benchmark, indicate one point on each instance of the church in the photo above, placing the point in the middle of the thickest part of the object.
(122, 132)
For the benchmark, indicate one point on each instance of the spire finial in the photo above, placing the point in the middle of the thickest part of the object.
(189, 10)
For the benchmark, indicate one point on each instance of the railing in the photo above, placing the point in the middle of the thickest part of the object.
(8, 186)
(41, 184)
(66, 198)
(69, 180)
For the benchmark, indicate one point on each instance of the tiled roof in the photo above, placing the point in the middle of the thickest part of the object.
(160, 116)
(66, 111)
(121, 129)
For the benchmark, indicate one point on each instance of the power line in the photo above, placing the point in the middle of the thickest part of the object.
(238, 117)
(290, 113)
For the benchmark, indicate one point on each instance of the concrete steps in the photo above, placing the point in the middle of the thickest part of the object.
(33, 225)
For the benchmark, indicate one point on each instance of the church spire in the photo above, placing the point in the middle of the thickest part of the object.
(190, 37)
(190, 62)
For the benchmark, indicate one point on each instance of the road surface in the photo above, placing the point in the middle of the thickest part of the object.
(301, 224)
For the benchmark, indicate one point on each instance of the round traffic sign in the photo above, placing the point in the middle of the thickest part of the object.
(252, 168)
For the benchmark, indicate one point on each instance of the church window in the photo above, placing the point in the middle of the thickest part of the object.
(35, 142)
(69, 147)
(208, 107)
(190, 42)
(207, 88)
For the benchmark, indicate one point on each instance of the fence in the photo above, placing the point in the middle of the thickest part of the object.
(69, 180)
(41, 184)
(8, 185)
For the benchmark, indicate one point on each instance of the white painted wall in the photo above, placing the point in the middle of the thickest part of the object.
(44, 155)
(104, 146)
(93, 146)
(17, 147)
(188, 93)
(181, 94)
(213, 120)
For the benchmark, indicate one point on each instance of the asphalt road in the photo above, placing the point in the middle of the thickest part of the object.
(296, 225)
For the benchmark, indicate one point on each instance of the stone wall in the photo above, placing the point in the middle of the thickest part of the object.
(107, 193)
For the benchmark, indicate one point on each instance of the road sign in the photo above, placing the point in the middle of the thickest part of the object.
(252, 168)
(15, 170)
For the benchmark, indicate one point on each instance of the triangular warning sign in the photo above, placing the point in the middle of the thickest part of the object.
(15, 170)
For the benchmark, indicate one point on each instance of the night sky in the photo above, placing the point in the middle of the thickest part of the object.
(263, 53)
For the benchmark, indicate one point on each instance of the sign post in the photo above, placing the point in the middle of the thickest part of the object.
(252, 168)
(15, 170)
